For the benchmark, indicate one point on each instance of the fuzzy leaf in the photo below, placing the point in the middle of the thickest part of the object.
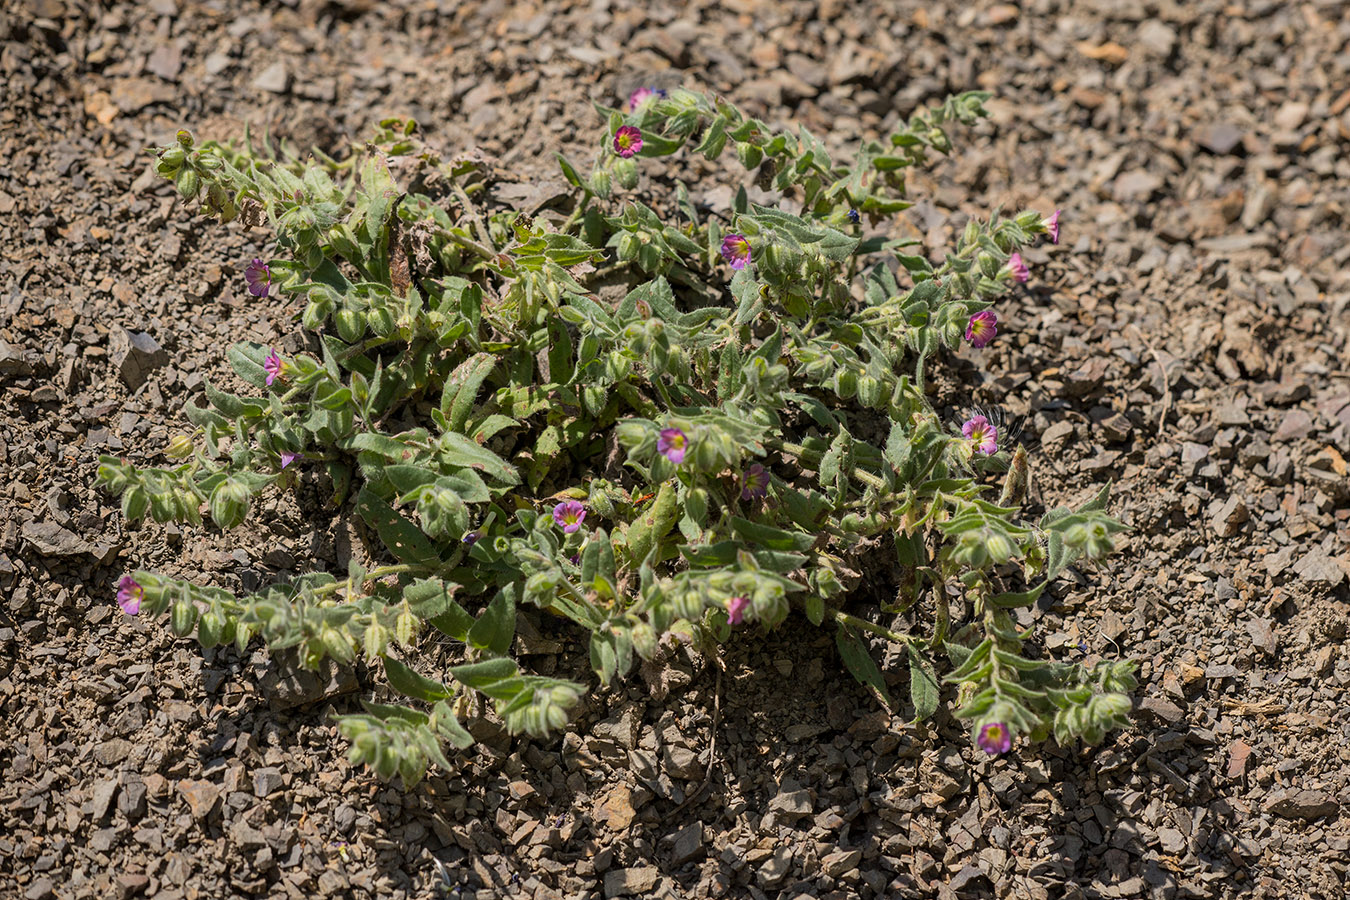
(858, 660)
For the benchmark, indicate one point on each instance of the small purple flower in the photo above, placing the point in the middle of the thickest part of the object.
(627, 141)
(995, 738)
(129, 595)
(736, 608)
(1052, 226)
(273, 365)
(982, 433)
(472, 537)
(1018, 268)
(736, 250)
(672, 444)
(569, 515)
(754, 482)
(287, 457)
(643, 96)
(980, 330)
(854, 217)
(258, 277)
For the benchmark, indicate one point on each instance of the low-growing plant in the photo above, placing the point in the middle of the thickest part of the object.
(732, 438)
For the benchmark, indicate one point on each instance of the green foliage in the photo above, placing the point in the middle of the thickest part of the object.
(516, 388)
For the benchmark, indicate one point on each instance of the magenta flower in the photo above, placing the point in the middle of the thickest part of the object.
(672, 444)
(643, 96)
(273, 365)
(258, 277)
(129, 595)
(754, 482)
(736, 608)
(995, 738)
(736, 250)
(569, 515)
(1018, 268)
(980, 330)
(627, 141)
(982, 433)
(287, 457)
(1052, 226)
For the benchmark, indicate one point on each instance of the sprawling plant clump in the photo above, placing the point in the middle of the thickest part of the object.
(729, 442)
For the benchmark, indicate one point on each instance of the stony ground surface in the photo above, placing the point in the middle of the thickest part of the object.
(1187, 339)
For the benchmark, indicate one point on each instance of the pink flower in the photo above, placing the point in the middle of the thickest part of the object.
(273, 365)
(258, 277)
(627, 141)
(982, 433)
(129, 595)
(643, 96)
(287, 457)
(672, 444)
(995, 738)
(1052, 226)
(754, 482)
(1018, 268)
(736, 250)
(980, 329)
(736, 608)
(569, 515)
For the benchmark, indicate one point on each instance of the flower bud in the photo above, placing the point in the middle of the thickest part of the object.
(316, 313)
(134, 503)
(599, 499)
(183, 618)
(188, 183)
(350, 325)
(696, 505)
(988, 264)
(1076, 535)
(230, 503)
(972, 232)
(938, 138)
(381, 321)
(184, 138)
(209, 628)
(601, 184)
(180, 447)
(644, 640)
(999, 548)
(629, 245)
(869, 392)
(749, 154)
(406, 627)
(846, 383)
(626, 174)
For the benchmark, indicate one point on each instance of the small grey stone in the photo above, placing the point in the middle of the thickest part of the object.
(1162, 708)
(40, 889)
(1218, 137)
(136, 355)
(627, 882)
(266, 781)
(841, 862)
(775, 869)
(791, 804)
(102, 797)
(688, 844)
(50, 539)
(1293, 804)
(1263, 636)
(273, 79)
(12, 360)
(1295, 424)
(1317, 566)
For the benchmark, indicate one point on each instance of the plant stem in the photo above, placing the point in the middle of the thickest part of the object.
(379, 572)
(879, 630)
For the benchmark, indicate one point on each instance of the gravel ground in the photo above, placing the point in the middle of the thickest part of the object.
(1187, 340)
